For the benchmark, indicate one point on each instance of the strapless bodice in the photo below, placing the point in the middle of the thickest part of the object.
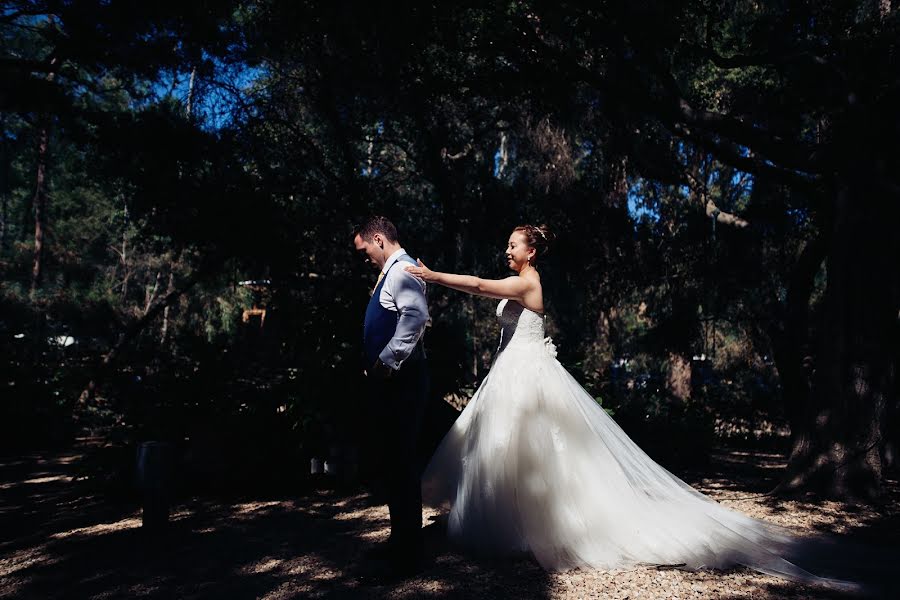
(519, 325)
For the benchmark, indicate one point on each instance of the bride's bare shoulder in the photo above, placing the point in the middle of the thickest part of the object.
(533, 279)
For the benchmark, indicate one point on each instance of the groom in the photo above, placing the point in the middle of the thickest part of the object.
(398, 379)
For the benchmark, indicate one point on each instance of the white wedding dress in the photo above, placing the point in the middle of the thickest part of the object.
(534, 465)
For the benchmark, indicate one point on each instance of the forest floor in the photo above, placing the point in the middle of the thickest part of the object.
(61, 540)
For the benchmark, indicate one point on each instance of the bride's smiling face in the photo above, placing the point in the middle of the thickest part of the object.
(518, 252)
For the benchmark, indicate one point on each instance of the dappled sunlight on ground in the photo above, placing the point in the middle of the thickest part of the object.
(99, 529)
(75, 543)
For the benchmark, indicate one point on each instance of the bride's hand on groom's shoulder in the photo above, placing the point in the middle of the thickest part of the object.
(420, 271)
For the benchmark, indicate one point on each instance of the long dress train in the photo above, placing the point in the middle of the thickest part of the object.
(534, 465)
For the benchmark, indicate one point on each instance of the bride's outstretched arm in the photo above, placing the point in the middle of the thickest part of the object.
(513, 288)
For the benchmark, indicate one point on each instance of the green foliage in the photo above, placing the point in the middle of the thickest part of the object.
(459, 124)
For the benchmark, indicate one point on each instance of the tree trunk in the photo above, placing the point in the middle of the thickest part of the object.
(40, 209)
(188, 109)
(837, 450)
(126, 272)
(40, 191)
(791, 343)
(4, 219)
(164, 331)
(150, 293)
(5, 185)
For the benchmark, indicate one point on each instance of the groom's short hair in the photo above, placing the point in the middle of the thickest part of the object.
(373, 225)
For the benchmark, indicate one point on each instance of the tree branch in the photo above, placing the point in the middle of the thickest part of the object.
(798, 161)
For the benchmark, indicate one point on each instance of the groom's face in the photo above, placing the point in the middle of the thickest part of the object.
(372, 251)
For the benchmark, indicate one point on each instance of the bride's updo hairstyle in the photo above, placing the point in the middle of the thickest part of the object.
(538, 237)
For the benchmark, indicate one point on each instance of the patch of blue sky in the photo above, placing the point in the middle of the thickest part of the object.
(219, 99)
(20, 15)
(743, 179)
(638, 206)
(740, 182)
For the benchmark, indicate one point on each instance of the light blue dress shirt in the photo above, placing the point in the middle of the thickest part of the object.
(403, 293)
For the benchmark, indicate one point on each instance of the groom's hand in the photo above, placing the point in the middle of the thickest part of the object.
(380, 370)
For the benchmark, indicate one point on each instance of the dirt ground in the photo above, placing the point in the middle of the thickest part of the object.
(59, 540)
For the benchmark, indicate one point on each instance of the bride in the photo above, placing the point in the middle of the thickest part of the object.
(534, 465)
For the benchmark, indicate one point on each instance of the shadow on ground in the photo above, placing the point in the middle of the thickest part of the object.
(62, 538)
(69, 542)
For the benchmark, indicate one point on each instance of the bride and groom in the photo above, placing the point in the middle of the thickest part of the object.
(533, 465)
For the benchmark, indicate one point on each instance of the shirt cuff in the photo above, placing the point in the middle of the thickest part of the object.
(387, 357)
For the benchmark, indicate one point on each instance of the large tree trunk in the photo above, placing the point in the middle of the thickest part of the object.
(791, 342)
(837, 450)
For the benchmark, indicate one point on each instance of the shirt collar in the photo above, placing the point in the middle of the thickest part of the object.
(392, 259)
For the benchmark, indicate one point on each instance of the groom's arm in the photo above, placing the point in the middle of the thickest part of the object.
(408, 296)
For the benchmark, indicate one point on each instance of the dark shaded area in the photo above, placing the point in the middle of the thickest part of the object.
(178, 184)
(64, 539)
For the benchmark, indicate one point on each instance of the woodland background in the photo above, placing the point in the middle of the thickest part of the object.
(179, 180)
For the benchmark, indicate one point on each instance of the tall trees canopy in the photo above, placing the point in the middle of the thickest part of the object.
(723, 177)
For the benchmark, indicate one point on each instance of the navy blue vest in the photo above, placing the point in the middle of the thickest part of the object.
(381, 323)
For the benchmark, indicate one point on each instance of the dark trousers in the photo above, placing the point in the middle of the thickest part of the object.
(401, 406)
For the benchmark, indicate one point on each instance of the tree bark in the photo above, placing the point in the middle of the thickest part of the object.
(188, 109)
(170, 289)
(150, 293)
(837, 450)
(791, 342)
(40, 209)
(40, 191)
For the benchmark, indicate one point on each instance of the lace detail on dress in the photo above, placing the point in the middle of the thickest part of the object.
(519, 325)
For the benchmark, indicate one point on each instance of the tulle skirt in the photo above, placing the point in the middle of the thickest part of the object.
(534, 465)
